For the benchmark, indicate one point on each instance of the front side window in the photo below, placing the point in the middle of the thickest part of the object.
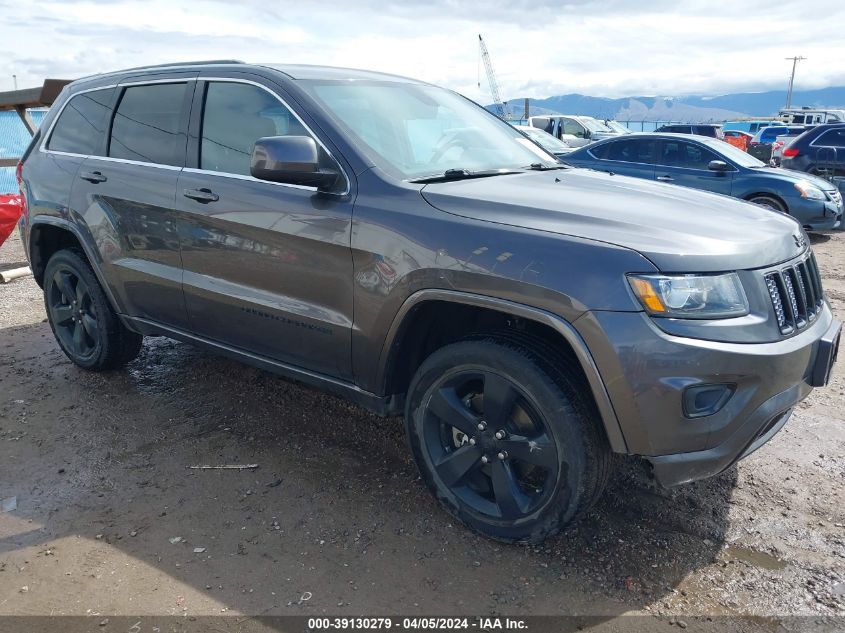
(832, 138)
(414, 130)
(148, 125)
(79, 128)
(574, 128)
(639, 150)
(680, 154)
(234, 117)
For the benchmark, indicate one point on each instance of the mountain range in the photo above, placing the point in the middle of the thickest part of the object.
(691, 109)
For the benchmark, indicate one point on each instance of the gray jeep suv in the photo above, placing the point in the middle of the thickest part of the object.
(395, 243)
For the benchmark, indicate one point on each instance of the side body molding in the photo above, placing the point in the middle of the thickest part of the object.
(561, 326)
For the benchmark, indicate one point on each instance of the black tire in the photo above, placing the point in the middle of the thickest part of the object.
(769, 202)
(547, 470)
(81, 317)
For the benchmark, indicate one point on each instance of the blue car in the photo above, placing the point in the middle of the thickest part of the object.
(706, 163)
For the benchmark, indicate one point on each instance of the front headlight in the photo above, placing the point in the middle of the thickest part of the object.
(810, 192)
(691, 296)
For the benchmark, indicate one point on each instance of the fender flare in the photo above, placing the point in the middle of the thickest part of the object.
(90, 253)
(559, 325)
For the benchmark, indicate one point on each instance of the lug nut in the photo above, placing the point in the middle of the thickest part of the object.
(472, 441)
(500, 435)
(484, 459)
(503, 455)
(482, 425)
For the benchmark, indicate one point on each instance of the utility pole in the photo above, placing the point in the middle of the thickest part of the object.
(795, 61)
(15, 81)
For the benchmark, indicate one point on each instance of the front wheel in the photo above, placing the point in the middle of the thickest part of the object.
(81, 317)
(505, 440)
(769, 202)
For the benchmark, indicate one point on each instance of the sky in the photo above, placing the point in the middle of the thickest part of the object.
(610, 48)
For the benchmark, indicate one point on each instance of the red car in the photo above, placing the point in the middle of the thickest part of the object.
(738, 138)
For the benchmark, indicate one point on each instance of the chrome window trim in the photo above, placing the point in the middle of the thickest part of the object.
(209, 172)
(296, 116)
(43, 146)
(140, 163)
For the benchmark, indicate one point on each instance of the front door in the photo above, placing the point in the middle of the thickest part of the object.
(268, 266)
(685, 163)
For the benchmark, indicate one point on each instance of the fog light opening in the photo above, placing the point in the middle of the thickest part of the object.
(702, 400)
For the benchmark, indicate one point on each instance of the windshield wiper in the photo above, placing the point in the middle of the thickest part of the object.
(463, 174)
(542, 167)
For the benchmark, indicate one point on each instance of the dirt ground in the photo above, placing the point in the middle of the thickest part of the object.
(109, 521)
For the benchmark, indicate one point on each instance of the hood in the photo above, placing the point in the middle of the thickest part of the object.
(678, 229)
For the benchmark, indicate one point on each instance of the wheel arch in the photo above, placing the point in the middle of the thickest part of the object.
(48, 235)
(767, 194)
(403, 338)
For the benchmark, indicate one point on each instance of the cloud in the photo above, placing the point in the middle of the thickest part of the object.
(539, 48)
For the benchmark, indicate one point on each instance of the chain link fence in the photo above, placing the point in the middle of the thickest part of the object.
(14, 139)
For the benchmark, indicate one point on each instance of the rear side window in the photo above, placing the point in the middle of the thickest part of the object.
(235, 116)
(831, 138)
(680, 154)
(148, 125)
(639, 150)
(80, 127)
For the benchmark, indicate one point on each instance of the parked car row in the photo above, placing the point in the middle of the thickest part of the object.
(706, 163)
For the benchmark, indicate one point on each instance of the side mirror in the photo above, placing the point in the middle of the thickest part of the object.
(718, 165)
(290, 159)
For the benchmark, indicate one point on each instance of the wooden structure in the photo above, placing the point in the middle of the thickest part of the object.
(22, 100)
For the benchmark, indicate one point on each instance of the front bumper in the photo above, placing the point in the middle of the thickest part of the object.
(647, 371)
(817, 215)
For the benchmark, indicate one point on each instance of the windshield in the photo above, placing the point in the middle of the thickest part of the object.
(414, 130)
(616, 126)
(545, 140)
(733, 154)
(593, 125)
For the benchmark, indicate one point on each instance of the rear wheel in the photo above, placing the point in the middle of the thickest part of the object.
(506, 443)
(81, 317)
(768, 201)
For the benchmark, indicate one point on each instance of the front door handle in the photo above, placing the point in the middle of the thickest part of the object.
(201, 195)
(93, 176)
(665, 178)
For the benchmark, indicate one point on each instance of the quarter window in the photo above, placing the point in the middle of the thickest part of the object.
(832, 138)
(235, 116)
(79, 128)
(148, 125)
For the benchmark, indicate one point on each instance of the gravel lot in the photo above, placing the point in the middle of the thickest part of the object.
(109, 520)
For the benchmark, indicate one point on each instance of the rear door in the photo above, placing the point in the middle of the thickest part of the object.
(126, 194)
(268, 266)
(685, 163)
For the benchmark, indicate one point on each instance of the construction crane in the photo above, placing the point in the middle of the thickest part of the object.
(491, 79)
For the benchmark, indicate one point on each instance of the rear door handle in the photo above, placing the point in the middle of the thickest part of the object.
(93, 176)
(665, 178)
(201, 195)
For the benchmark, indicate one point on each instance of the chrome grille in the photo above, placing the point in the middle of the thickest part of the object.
(796, 293)
(836, 196)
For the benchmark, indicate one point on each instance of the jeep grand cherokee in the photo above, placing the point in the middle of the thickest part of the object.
(395, 243)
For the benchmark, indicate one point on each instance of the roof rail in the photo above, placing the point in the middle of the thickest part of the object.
(205, 62)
